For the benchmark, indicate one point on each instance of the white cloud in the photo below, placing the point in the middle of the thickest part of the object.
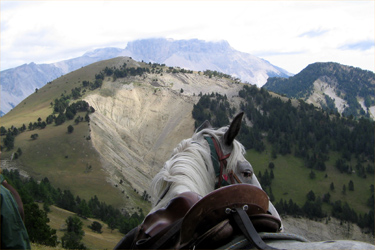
(289, 34)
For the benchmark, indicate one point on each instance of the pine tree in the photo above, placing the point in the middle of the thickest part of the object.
(310, 196)
(37, 226)
(351, 186)
(96, 227)
(74, 234)
(332, 186)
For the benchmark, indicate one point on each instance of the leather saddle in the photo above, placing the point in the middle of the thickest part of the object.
(156, 224)
(190, 221)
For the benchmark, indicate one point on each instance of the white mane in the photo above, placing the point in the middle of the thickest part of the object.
(190, 168)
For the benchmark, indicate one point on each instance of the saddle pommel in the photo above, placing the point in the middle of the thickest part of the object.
(217, 205)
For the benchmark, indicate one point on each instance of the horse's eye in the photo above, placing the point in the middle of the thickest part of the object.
(247, 174)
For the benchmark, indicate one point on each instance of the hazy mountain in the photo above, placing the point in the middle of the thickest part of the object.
(333, 86)
(200, 55)
(17, 83)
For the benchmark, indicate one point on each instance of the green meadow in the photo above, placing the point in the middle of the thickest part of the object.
(292, 180)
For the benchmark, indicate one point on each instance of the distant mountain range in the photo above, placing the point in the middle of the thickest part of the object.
(17, 83)
(200, 55)
(332, 86)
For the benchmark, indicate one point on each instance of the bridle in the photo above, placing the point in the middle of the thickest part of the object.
(219, 161)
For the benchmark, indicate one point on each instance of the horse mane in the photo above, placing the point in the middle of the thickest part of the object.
(190, 168)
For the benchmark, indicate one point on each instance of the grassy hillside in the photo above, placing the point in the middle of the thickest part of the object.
(63, 159)
(69, 161)
(292, 180)
(106, 240)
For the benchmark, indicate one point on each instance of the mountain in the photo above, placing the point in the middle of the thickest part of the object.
(140, 118)
(332, 86)
(137, 122)
(17, 83)
(200, 55)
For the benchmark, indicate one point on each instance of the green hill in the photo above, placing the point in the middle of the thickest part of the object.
(68, 160)
(93, 240)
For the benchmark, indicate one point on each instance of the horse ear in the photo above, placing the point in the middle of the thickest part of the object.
(233, 130)
(205, 124)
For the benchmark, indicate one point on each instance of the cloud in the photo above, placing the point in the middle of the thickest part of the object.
(314, 33)
(361, 45)
(279, 31)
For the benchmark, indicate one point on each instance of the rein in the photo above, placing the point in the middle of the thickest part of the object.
(219, 160)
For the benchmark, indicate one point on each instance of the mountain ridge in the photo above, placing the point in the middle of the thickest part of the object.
(331, 86)
(17, 83)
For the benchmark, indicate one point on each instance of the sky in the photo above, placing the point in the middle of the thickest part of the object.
(288, 34)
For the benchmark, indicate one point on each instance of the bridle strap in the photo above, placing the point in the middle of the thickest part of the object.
(220, 158)
(233, 175)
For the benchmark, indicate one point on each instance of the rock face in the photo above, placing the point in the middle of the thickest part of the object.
(322, 88)
(137, 125)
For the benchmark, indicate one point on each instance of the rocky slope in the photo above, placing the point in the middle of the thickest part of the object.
(138, 123)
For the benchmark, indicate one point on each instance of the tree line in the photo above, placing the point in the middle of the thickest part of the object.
(31, 191)
(60, 106)
(121, 72)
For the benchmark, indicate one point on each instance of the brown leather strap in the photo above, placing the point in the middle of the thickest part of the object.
(233, 177)
(246, 226)
(222, 160)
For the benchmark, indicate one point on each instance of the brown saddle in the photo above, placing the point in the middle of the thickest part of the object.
(156, 224)
(190, 221)
(202, 222)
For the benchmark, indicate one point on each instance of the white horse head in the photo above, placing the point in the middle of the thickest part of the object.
(193, 162)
